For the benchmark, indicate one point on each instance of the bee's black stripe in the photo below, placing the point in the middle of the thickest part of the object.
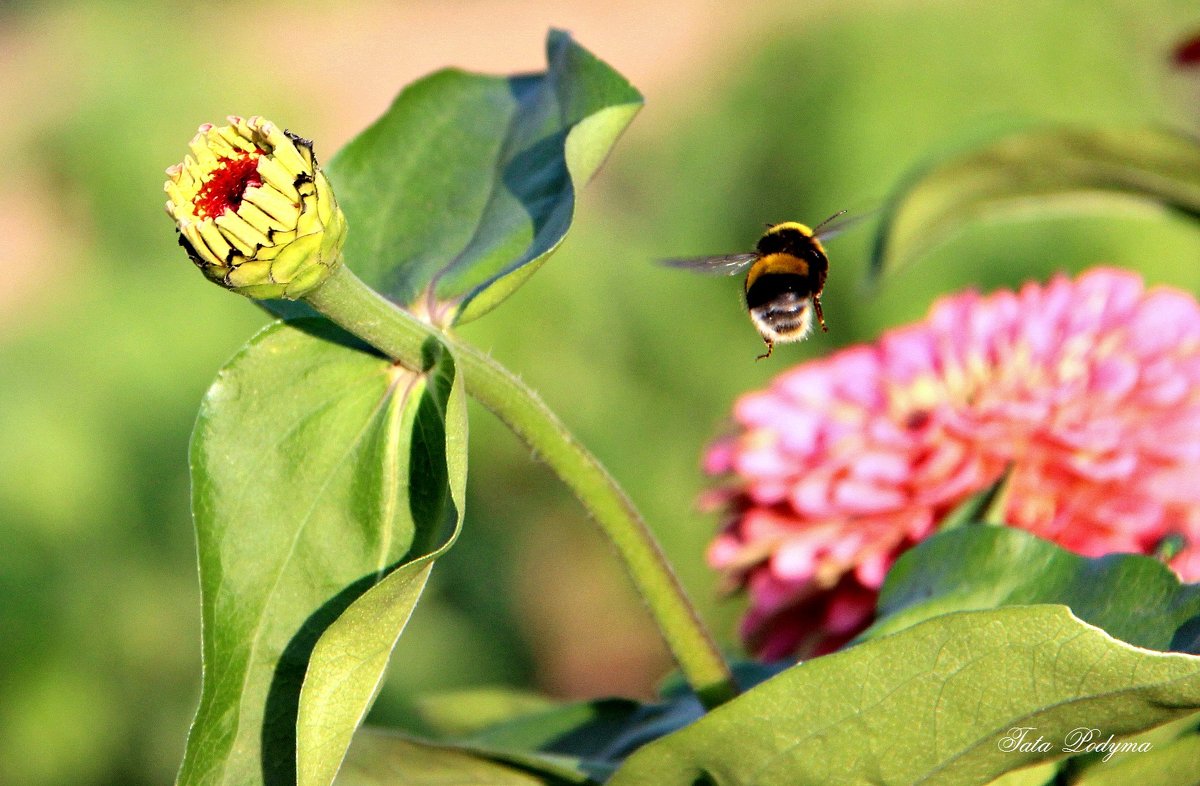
(785, 292)
(785, 240)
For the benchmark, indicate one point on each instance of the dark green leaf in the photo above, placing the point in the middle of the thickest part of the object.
(582, 742)
(581, 729)
(1187, 637)
(591, 737)
(1136, 599)
(746, 673)
(467, 183)
(931, 704)
(572, 741)
(1035, 172)
(325, 480)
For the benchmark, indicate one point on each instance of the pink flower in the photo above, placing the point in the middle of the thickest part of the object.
(1088, 388)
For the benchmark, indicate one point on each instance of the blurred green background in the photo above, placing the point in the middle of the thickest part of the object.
(775, 111)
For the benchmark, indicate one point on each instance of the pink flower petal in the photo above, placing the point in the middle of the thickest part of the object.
(859, 497)
(873, 568)
(794, 560)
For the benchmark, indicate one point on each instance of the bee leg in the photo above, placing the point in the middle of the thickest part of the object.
(820, 314)
(770, 348)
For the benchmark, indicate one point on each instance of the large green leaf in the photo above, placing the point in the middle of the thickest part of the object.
(325, 480)
(1134, 598)
(1060, 169)
(1137, 599)
(932, 704)
(467, 183)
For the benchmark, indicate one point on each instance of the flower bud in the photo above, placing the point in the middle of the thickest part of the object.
(254, 211)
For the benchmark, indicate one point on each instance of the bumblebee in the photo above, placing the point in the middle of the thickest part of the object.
(785, 275)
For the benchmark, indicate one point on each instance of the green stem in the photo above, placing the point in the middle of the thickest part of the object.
(353, 305)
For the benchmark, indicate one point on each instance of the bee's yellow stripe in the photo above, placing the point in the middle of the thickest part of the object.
(776, 263)
(802, 228)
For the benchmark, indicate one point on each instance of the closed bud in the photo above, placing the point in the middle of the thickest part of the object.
(254, 211)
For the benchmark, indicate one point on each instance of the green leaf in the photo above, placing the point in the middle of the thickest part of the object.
(976, 508)
(325, 481)
(467, 183)
(1136, 599)
(349, 659)
(380, 758)
(931, 704)
(1034, 172)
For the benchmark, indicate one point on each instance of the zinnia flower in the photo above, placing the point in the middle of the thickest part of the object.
(254, 211)
(1089, 389)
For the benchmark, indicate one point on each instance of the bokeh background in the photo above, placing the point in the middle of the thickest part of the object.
(755, 112)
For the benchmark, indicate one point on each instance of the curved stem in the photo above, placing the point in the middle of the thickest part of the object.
(354, 306)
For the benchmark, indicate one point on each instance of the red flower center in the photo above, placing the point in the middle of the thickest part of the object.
(917, 419)
(1187, 52)
(229, 181)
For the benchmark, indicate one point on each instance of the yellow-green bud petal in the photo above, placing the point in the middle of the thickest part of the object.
(254, 211)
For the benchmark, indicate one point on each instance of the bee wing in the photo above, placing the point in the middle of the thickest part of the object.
(725, 265)
(840, 222)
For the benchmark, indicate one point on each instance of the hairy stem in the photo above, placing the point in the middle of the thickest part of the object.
(354, 306)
